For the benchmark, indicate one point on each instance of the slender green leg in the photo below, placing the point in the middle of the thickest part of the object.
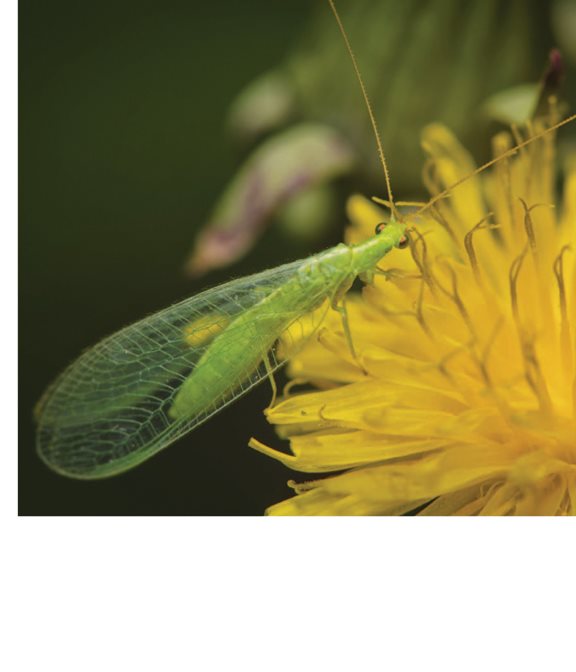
(272, 381)
(346, 325)
(338, 303)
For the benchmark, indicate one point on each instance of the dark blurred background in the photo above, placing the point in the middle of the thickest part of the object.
(122, 156)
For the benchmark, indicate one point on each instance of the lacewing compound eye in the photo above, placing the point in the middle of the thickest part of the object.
(403, 242)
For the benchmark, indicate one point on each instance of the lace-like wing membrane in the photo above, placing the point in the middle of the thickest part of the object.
(113, 407)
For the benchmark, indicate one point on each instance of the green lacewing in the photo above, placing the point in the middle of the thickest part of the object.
(140, 389)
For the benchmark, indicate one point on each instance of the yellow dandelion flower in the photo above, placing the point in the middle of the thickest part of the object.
(462, 397)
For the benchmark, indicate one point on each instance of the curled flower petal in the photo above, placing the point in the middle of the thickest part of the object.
(288, 164)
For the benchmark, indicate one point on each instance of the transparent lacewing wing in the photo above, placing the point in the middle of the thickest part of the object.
(115, 406)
